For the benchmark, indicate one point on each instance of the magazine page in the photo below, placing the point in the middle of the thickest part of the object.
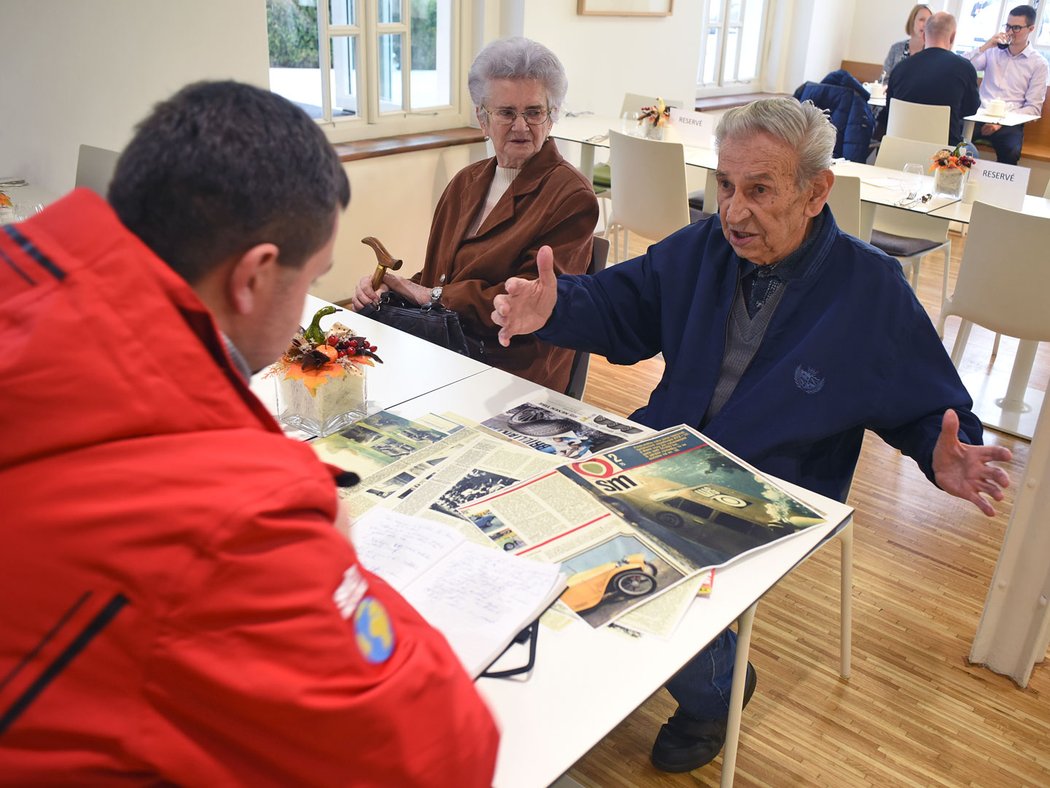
(436, 480)
(691, 496)
(566, 428)
(376, 441)
(613, 568)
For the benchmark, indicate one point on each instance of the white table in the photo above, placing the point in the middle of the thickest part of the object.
(982, 116)
(587, 680)
(416, 366)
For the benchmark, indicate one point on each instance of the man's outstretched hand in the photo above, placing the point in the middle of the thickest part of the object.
(964, 470)
(528, 303)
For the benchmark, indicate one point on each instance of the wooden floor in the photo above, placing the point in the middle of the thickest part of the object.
(914, 713)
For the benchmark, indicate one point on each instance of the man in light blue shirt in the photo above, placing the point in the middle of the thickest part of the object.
(1015, 73)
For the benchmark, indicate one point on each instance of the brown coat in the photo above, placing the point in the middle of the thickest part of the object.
(549, 203)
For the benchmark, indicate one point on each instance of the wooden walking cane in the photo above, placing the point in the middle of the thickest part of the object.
(384, 260)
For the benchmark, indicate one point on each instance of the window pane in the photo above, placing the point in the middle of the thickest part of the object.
(295, 71)
(431, 53)
(344, 76)
(978, 21)
(389, 11)
(390, 72)
(732, 44)
(707, 68)
(751, 40)
(342, 12)
(735, 11)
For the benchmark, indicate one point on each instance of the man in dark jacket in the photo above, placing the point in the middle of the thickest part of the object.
(935, 76)
(784, 338)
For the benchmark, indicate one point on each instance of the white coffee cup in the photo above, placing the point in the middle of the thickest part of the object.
(997, 107)
(878, 90)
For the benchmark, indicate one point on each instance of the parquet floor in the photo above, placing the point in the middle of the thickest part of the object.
(914, 713)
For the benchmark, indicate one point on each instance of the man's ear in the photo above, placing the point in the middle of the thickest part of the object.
(251, 276)
(819, 189)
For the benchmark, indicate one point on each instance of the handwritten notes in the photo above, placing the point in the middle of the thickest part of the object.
(478, 597)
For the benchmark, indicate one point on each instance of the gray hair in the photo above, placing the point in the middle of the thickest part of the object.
(518, 58)
(803, 126)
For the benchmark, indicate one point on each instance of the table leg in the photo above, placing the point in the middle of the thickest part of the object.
(1022, 371)
(587, 161)
(967, 130)
(736, 695)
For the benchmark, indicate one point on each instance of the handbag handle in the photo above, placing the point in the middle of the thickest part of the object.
(384, 260)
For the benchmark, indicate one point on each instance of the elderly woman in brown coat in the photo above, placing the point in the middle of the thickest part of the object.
(496, 214)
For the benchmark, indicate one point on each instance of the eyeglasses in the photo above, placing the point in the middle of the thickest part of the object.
(1014, 28)
(505, 116)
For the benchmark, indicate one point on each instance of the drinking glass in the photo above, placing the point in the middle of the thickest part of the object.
(913, 177)
(629, 124)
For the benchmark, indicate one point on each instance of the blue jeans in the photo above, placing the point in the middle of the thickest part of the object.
(702, 687)
(1007, 143)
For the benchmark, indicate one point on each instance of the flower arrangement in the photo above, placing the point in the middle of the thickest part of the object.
(321, 377)
(954, 159)
(657, 116)
(5, 201)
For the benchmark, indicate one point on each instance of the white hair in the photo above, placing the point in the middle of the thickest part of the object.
(804, 127)
(517, 58)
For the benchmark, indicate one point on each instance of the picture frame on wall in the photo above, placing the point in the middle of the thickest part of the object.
(624, 7)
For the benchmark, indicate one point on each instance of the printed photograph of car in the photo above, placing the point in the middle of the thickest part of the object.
(630, 577)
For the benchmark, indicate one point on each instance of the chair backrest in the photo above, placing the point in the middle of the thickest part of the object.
(632, 102)
(919, 121)
(1046, 191)
(95, 168)
(581, 360)
(654, 200)
(844, 201)
(1003, 286)
(894, 153)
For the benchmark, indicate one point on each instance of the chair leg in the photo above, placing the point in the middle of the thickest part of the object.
(947, 268)
(995, 345)
(960, 342)
(846, 601)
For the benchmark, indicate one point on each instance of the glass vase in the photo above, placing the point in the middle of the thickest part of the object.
(949, 182)
(321, 401)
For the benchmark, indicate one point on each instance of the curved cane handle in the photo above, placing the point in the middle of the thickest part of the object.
(384, 260)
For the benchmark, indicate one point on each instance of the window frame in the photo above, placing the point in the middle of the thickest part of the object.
(371, 119)
(719, 87)
(1042, 16)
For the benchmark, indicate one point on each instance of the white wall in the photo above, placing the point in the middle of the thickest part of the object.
(86, 72)
(878, 25)
(605, 57)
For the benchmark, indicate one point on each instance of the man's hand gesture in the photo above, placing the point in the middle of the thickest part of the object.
(528, 303)
(963, 470)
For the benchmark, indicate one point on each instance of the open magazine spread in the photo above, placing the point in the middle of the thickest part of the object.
(632, 522)
(563, 431)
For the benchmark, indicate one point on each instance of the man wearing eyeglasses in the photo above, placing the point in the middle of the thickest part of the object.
(1015, 73)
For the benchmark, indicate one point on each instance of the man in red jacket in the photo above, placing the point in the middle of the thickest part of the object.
(178, 605)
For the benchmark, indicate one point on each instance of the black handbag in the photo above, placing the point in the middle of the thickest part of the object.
(431, 322)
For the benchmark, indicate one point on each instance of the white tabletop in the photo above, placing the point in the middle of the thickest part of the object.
(885, 186)
(960, 211)
(1009, 119)
(411, 367)
(593, 130)
(587, 680)
(26, 200)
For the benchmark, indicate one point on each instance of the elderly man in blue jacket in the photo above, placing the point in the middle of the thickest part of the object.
(784, 339)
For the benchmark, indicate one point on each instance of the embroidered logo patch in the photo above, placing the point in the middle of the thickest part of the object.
(374, 632)
(808, 379)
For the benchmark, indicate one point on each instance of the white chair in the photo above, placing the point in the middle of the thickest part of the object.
(95, 167)
(913, 121)
(845, 204)
(904, 234)
(657, 202)
(1004, 290)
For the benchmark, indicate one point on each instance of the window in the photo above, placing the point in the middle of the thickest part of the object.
(369, 67)
(731, 50)
(979, 20)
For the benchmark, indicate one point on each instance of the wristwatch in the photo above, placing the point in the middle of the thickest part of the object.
(435, 295)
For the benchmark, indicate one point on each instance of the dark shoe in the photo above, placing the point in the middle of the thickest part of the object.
(685, 743)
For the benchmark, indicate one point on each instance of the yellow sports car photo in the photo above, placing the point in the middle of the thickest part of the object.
(631, 576)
